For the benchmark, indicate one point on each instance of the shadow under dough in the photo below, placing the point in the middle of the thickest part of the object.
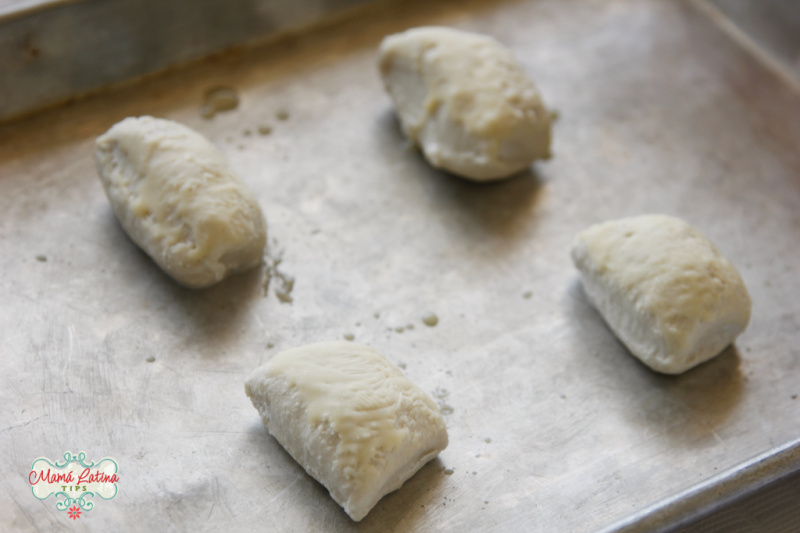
(396, 507)
(207, 318)
(687, 406)
(501, 208)
(390, 510)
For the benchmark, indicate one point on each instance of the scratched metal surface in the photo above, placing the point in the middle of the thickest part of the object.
(553, 426)
(773, 24)
(48, 56)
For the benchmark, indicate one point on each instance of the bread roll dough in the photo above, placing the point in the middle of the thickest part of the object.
(349, 417)
(178, 199)
(663, 288)
(466, 101)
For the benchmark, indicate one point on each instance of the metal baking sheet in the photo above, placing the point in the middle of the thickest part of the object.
(47, 56)
(553, 426)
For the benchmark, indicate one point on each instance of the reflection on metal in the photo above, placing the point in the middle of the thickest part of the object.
(51, 51)
(716, 493)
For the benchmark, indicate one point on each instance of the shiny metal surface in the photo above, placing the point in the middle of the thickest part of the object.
(553, 426)
(774, 25)
(731, 500)
(54, 50)
(771, 508)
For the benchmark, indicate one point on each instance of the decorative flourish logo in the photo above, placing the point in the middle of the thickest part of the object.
(76, 479)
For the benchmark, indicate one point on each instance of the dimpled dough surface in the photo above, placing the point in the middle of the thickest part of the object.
(178, 199)
(466, 101)
(663, 288)
(349, 417)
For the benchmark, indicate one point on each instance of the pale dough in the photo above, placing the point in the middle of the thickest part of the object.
(349, 418)
(466, 101)
(178, 199)
(663, 288)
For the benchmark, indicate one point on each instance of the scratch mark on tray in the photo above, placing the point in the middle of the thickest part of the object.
(212, 432)
(298, 478)
(258, 319)
(70, 344)
(70, 331)
(31, 521)
(490, 489)
(23, 424)
(217, 498)
(13, 290)
(170, 368)
(145, 387)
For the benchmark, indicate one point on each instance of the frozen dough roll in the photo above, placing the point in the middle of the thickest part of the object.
(178, 199)
(349, 417)
(663, 289)
(466, 101)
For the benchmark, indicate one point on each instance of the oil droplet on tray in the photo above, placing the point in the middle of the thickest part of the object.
(349, 337)
(41, 258)
(218, 99)
(150, 359)
(264, 130)
(430, 320)
(527, 295)
(448, 471)
(282, 115)
(400, 329)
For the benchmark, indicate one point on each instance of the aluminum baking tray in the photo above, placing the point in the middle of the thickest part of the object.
(553, 426)
(52, 51)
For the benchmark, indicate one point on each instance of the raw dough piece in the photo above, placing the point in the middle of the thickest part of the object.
(349, 417)
(663, 288)
(466, 101)
(178, 199)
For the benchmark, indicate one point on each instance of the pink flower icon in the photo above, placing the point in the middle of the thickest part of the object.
(74, 512)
